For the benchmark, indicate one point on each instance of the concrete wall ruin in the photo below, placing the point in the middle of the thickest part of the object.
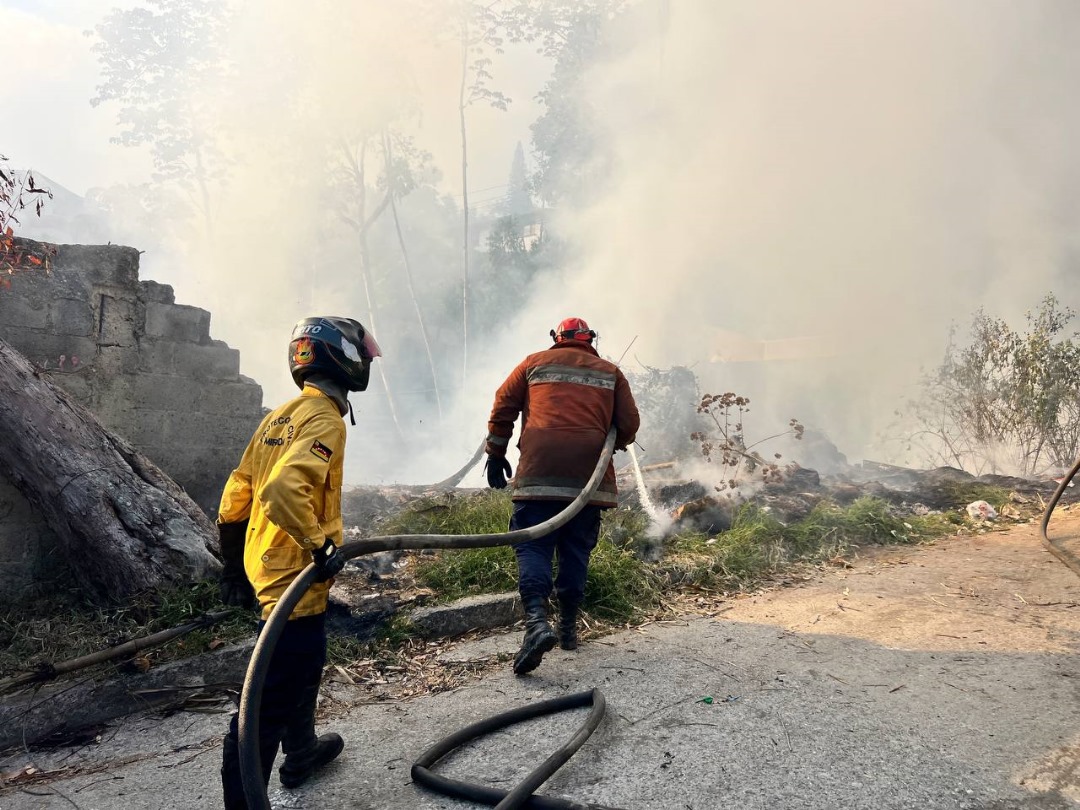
(145, 365)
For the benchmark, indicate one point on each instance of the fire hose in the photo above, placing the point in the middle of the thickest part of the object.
(1068, 557)
(251, 697)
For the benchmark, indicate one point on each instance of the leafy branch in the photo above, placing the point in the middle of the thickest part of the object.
(19, 191)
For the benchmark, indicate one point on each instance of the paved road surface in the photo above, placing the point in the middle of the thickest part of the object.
(933, 677)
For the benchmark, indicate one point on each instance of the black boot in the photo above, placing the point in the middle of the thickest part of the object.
(301, 766)
(539, 637)
(568, 626)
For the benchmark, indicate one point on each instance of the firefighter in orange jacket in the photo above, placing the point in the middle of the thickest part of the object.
(568, 398)
(280, 511)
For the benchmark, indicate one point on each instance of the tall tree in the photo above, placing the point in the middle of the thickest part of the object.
(400, 181)
(479, 27)
(518, 199)
(574, 34)
(156, 65)
(361, 217)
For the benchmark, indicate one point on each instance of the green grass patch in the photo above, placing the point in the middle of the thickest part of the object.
(758, 545)
(454, 573)
(485, 512)
(619, 585)
(959, 494)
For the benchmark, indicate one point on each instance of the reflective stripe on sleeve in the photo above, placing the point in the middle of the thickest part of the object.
(497, 440)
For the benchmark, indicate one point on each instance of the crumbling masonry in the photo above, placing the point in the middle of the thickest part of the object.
(145, 365)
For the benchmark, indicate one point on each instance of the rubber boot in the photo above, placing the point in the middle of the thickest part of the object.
(539, 637)
(232, 784)
(301, 766)
(568, 626)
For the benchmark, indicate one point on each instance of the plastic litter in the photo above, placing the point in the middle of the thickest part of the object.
(981, 510)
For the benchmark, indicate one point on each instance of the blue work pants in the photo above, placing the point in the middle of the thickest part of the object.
(574, 543)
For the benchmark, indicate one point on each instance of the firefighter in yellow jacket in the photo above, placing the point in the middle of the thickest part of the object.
(568, 398)
(280, 511)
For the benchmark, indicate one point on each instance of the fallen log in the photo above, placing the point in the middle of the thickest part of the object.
(122, 524)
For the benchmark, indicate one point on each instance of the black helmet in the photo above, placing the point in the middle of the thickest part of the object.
(339, 347)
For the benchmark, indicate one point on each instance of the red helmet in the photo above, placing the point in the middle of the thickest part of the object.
(572, 329)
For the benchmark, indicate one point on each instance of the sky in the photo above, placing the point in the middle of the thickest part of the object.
(839, 181)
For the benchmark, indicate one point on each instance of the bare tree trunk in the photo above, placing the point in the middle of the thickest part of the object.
(364, 223)
(123, 524)
(464, 204)
(409, 277)
(364, 275)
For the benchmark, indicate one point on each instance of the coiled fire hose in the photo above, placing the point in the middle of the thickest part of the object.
(251, 697)
(1069, 558)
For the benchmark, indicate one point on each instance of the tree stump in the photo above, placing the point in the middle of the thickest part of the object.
(123, 524)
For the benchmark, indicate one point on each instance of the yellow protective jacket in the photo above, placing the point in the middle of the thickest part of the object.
(288, 488)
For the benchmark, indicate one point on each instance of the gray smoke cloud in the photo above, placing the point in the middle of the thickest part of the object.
(835, 179)
(803, 196)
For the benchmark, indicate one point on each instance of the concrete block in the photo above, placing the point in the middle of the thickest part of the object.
(157, 293)
(200, 430)
(47, 349)
(72, 316)
(119, 320)
(206, 362)
(113, 397)
(178, 322)
(19, 311)
(98, 265)
(113, 361)
(156, 355)
(471, 613)
(231, 399)
(238, 429)
(79, 384)
(143, 428)
(162, 392)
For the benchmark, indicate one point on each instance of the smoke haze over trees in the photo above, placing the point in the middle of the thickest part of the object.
(794, 200)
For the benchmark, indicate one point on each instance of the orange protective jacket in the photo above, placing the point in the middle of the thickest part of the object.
(568, 397)
(288, 488)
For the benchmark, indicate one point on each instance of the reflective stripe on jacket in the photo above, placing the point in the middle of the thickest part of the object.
(288, 487)
(568, 398)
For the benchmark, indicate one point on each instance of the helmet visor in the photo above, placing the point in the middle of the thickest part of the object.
(371, 348)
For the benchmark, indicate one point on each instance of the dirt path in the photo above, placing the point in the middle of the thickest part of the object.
(943, 676)
(995, 591)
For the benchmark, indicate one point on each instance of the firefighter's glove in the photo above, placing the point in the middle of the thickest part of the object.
(328, 560)
(233, 586)
(498, 470)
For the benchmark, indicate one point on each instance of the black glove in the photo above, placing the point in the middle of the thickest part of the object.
(328, 560)
(233, 586)
(498, 470)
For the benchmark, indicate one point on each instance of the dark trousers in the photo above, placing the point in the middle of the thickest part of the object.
(574, 543)
(287, 713)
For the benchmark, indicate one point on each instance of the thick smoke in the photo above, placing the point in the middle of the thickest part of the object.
(856, 175)
(801, 198)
